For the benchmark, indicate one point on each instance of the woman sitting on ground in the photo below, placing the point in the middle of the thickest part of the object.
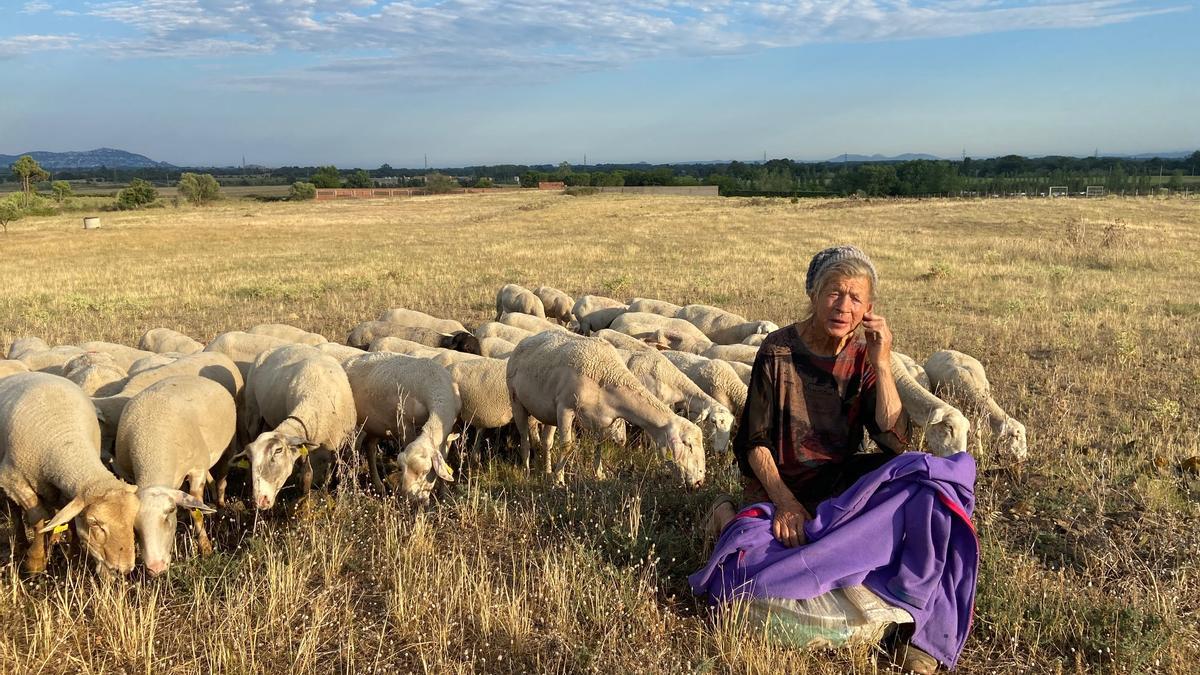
(814, 389)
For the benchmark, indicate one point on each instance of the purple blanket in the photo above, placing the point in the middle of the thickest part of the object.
(904, 531)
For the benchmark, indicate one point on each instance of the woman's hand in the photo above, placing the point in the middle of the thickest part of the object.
(879, 341)
(788, 524)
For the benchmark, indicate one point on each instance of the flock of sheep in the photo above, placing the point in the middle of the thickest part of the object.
(278, 400)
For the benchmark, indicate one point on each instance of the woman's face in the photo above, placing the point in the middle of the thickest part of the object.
(840, 304)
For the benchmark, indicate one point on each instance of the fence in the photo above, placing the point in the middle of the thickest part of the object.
(330, 194)
(688, 190)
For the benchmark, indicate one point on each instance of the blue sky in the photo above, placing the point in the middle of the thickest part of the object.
(363, 82)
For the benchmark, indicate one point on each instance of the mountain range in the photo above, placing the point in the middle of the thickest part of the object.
(88, 159)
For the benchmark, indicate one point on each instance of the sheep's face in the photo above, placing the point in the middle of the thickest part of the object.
(421, 465)
(156, 521)
(106, 527)
(272, 456)
(765, 328)
(946, 433)
(685, 443)
(462, 341)
(1012, 440)
(722, 421)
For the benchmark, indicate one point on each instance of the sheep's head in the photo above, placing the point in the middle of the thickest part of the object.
(105, 525)
(1012, 440)
(946, 432)
(722, 421)
(765, 327)
(272, 456)
(685, 443)
(421, 464)
(155, 523)
(462, 341)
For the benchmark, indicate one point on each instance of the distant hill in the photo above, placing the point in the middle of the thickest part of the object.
(906, 157)
(87, 159)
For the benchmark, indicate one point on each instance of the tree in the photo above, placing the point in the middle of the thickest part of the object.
(438, 183)
(327, 177)
(484, 182)
(1176, 181)
(9, 211)
(62, 191)
(301, 191)
(138, 194)
(359, 179)
(199, 189)
(30, 172)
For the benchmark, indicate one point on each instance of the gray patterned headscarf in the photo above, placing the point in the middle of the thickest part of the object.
(831, 255)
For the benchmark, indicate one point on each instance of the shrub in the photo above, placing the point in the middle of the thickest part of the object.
(581, 191)
(199, 189)
(438, 183)
(9, 211)
(327, 177)
(302, 191)
(139, 193)
(62, 191)
(360, 179)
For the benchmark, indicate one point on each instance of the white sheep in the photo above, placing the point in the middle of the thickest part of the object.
(946, 429)
(288, 333)
(483, 392)
(528, 322)
(26, 345)
(961, 379)
(303, 397)
(716, 377)
(50, 360)
(672, 387)
(556, 303)
(641, 324)
(92, 371)
(755, 340)
(444, 357)
(626, 342)
(401, 346)
(12, 367)
(560, 379)
(516, 298)
(742, 370)
(163, 340)
(604, 311)
(50, 450)
(721, 326)
(179, 427)
(411, 317)
(152, 362)
(414, 401)
(496, 348)
(914, 369)
(651, 306)
(342, 353)
(735, 352)
(503, 331)
(243, 348)
(124, 356)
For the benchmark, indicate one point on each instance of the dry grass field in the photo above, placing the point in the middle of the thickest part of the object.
(1086, 313)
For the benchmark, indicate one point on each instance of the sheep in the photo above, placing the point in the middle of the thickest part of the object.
(243, 348)
(362, 336)
(50, 450)
(736, 352)
(961, 379)
(444, 357)
(558, 379)
(92, 371)
(755, 340)
(49, 360)
(414, 401)
(642, 323)
(123, 356)
(304, 397)
(515, 298)
(483, 392)
(162, 340)
(401, 346)
(556, 303)
(946, 428)
(26, 345)
(152, 362)
(12, 367)
(177, 428)
(914, 369)
(742, 370)
(590, 304)
(288, 333)
(496, 348)
(716, 377)
(340, 352)
(527, 322)
(415, 319)
(672, 387)
(626, 342)
(503, 331)
(650, 306)
(721, 326)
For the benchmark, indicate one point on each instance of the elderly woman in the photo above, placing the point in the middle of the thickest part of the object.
(816, 387)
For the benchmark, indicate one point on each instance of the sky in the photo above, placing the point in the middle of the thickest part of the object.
(465, 82)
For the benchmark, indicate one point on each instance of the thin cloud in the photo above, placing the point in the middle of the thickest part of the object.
(35, 7)
(24, 45)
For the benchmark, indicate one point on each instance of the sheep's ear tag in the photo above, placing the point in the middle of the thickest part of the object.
(59, 529)
(303, 450)
(242, 464)
(197, 513)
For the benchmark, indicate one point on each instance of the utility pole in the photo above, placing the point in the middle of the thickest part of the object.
(426, 162)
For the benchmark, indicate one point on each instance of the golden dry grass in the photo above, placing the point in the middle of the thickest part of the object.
(1085, 312)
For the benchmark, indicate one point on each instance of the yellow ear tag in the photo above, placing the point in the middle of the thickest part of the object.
(303, 450)
(59, 529)
(449, 471)
(242, 464)
(198, 513)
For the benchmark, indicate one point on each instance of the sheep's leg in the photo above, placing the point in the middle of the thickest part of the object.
(33, 519)
(20, 540)
(566, 424)
(521, 419)
(614, 432)
(546, 439)
(220, 474)
(371, 444)
(475, 459)
(196, 489)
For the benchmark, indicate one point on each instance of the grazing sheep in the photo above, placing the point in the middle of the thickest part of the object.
(650, 306)
(401, 346)
(626, 342)
(459, 341)
(503, 331)
(496, 348)
(177, 428)
(672, 387)
(50, 360)
(288, 333)
(716, 377)
(743, 370)
(444, 357)
(243, 348)
(50, 451)
(515, 298)
(721, 326)
(639, 324)
(414, 401)
(152, 362)
(304, 397)
(914, 369)
(946, 428)
(415, 319)
(556, 303)
(589, 304)
(12, 367)
(93, 371)
(483, 392)
(961, 379)
(755, 340)
(340, 352)
(163, 340)
(123, 356)
(560, 379)
(736, 352)
(527, 322)
(25, 346)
